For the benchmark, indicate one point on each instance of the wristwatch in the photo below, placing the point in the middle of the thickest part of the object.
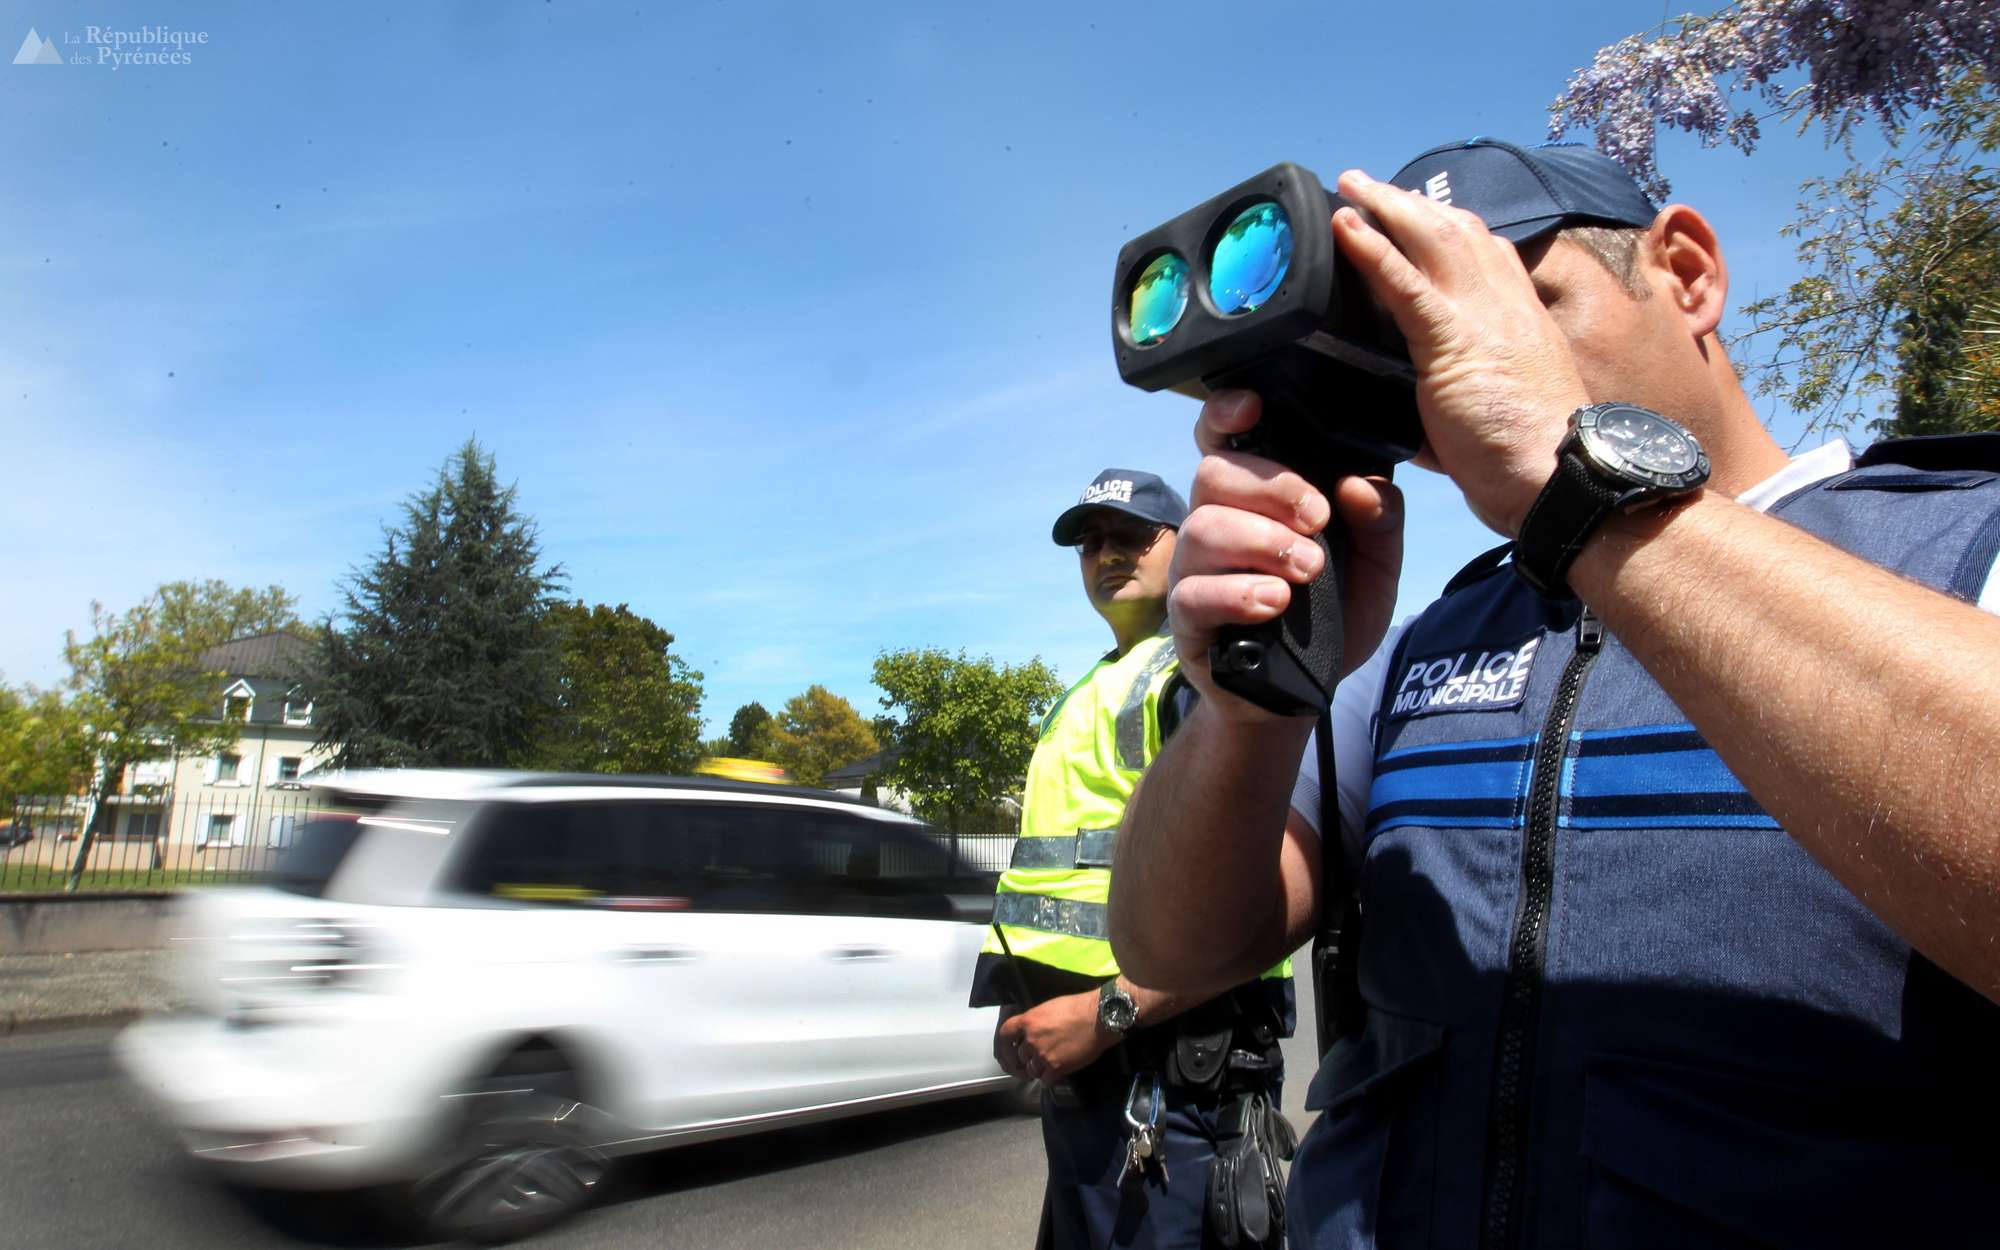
(1115, 1009)
(1616, 457)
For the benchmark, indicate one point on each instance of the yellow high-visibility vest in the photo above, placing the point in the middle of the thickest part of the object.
(1094, 745)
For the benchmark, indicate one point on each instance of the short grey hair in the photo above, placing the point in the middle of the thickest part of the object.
(1614, 247)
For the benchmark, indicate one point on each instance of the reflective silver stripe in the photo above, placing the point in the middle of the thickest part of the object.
(1132, 715)
(1089, 848)
(1057, 852)
(1093, 847)
(1067, 916)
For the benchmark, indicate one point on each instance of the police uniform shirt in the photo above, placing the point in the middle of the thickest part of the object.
(1360, 694)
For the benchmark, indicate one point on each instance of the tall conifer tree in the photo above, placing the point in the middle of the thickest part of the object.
(445, 657)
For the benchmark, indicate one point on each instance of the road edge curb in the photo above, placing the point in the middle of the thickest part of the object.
(12, 1025)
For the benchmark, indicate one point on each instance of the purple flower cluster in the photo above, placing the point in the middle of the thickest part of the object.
(1880, 59)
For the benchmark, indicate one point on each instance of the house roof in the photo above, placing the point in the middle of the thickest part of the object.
(270, 664)
(276, 654)
(859, 771)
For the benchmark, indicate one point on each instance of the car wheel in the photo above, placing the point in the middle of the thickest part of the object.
(523, 1157)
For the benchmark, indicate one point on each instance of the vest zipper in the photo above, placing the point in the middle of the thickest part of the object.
(1506, 1132)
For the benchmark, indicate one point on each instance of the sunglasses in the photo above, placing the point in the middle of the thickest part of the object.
(1135, 539)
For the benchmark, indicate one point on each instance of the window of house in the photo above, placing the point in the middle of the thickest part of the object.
(142, 825)
(288, 769)
(220, 828)
(298, 709)
(236, 707)
(228, 766)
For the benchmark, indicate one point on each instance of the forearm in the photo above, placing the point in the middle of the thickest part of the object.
(1064, 1035)
(1860, 709)
(1198, 891)
(1159, 1006)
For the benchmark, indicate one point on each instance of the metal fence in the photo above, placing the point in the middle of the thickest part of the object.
(147, 841)
(985, 852)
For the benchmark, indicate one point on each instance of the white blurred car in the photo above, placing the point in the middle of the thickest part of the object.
(485, 985)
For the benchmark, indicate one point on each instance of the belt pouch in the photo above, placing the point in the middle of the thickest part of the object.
(1246, 1199)
(1197, 1059)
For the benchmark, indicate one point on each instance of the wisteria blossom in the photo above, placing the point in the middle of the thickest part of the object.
(1880, 60)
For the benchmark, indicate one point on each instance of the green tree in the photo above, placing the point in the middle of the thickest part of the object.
(817, 732)
(141, 687)
(1895, 316)
(44, 747)
(627, 704)
(1977, 382)
(959, 731)
(750, 733)
(216, 611)
(1902, 258)
(445, 657)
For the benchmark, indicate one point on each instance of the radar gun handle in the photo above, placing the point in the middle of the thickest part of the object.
(1290, 663)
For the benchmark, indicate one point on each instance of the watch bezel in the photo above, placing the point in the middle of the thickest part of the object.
(1112, 999)
(1608, 458)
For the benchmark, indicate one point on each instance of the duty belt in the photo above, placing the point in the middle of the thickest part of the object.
(1068, 916)
(1086, 848)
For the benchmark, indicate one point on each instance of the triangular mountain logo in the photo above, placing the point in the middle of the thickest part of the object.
(36, 50)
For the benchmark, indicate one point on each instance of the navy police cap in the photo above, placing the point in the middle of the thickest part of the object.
(1130, 491)
(1523, 193)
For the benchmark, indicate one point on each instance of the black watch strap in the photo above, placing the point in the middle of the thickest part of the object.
(1561, 520)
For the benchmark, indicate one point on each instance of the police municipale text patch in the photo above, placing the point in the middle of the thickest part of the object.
(1473, 680)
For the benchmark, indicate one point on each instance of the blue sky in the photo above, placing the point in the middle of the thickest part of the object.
(788, 320)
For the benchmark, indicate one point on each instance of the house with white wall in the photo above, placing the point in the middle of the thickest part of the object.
(248, 793)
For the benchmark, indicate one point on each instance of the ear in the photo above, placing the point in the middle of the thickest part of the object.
(1687, 267)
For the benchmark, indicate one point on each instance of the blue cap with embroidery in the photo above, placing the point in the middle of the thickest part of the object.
(1131, 491)
(1523, 193)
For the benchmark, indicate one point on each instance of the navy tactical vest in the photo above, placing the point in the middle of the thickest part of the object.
(1610, 1002)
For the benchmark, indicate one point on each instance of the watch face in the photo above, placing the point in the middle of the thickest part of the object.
(1644, 444)
(1116, 1008)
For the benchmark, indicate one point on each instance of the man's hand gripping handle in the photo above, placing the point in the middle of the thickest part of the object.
(1289, 664)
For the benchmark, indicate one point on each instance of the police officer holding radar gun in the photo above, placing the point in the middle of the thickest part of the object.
(1672, 824)
(1159, 1111)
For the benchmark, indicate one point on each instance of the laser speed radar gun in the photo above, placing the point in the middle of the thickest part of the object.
(1231, 294)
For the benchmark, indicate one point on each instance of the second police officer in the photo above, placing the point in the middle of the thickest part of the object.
(1159, 1112)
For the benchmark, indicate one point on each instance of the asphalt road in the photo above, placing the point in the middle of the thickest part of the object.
(81, 1165)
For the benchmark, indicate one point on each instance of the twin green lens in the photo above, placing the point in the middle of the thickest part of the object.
(1250, 259)
(1159, 298)
(1249, 263)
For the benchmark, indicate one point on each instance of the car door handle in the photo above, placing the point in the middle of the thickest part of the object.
(848, 953)
(659, 954)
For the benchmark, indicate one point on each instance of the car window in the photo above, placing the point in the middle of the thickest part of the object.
(837, 847)
(789, 860)
(882, 869)
(400, 854)
(909, 854)
(663, 862)
(749, 859)
(550, 853)
(318, 847)
(713, 856)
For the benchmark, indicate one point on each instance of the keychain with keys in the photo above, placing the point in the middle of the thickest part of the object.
(1144, 1146)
